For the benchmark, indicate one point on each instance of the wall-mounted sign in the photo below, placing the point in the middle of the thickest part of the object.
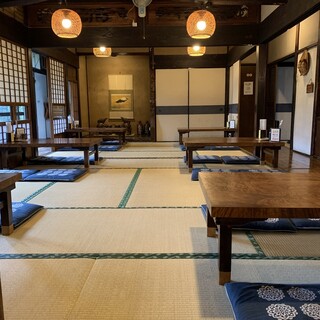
(248, 88)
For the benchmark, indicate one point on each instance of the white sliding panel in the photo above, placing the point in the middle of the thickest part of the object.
(206, 99)
(171, 103)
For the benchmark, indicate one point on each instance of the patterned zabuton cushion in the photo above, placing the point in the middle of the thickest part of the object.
(66, 175)
(252, 301)
(240, 159)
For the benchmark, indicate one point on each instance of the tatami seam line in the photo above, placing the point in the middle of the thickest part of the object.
(164, 256)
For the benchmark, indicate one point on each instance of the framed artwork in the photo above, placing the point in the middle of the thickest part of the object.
(121, 100)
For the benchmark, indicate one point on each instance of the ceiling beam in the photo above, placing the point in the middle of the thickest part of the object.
(13, 3)
(140, 37)
(19, 3)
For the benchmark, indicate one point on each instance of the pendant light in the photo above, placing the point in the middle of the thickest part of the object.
(201, 24)
(66, 23)
(196, 51)
(102, 52)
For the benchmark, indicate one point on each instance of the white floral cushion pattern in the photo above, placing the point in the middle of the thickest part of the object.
(252, 301)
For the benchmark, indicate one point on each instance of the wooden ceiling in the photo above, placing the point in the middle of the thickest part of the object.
(117, 24)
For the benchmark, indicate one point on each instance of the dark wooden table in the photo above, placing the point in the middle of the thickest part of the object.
(239, 197)
(193, 144)
(183, 131)
(7, 184)
(83, 144)
(101, 132)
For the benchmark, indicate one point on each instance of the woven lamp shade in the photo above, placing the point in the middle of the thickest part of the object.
(201, 24)
(66, 23)
(196, 51)
(102, 52)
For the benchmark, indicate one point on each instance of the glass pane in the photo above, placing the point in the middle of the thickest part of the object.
(21, 112)
(5, 114)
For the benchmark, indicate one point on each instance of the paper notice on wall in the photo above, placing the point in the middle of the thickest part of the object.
(248, 88)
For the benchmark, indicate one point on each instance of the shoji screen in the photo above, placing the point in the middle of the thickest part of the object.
(171, 102)
(206, 99)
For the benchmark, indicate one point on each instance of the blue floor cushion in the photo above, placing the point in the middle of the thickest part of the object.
(205, 159)
(240, 159)
(24, 172)
(182, 147)
(45, 160)
(110, 142)
(271, 224)
(222, 148)
(66, 175)
(306, 224)
(22, 211)
(75, 160)
(195, 171)
(112, 147)
(252, 301)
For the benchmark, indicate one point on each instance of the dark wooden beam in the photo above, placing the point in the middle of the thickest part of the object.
(19, 3)
(286, 17)
(185, 61)
(140, 37)
(12, 3)
(239, 53)
(13, 30)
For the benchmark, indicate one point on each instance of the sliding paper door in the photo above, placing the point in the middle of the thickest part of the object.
(171, 103)
(188, 98)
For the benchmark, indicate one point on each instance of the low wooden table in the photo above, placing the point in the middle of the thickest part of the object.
(101, 132)
(239, 197)
(83, 144)
(183, 131)
(7, 184)
(193, 144)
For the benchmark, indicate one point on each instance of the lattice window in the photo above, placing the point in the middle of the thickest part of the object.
(57, 82)
(13, 73)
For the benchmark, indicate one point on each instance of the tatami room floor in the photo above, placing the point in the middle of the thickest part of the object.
(128, 241)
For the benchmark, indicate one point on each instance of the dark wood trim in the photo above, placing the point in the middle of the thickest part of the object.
(286, 17)
(13, 30)
(261, 76)
(239, 53)
(134, 37)
(185, 61)
(61, 54)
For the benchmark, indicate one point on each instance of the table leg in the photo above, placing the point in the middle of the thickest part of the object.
(189, 156)
(225, 249)
(4, 158)
(275, 160)
(96, 152)
(86, 159)
(6, 213)
(180, 137)
(211, 226)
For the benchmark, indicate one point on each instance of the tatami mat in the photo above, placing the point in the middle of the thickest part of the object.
(25, 189)
(128, 241)
(141, 163)
(168, 289)
(299, 244)
(104, 188)
(165, 187)
(117, 231)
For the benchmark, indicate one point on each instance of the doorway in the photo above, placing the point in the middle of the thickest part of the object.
(42, 109)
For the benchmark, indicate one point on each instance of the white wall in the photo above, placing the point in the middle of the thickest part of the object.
(282, 46)
(304, 108)
(234, 82)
